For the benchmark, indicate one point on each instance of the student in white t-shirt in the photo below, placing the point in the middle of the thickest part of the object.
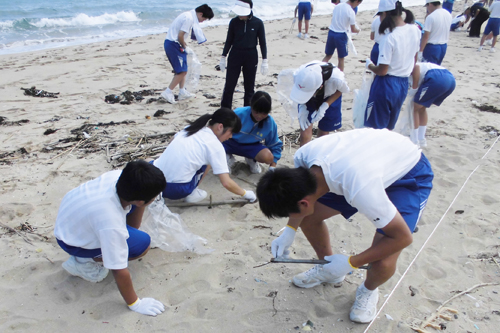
(397, 56)
(375, 36)
(436, 33)
(176, 48)
(98, 222)
(379, 173)
(188, 158)
(492, 27)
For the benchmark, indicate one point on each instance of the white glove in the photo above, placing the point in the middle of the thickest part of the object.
(249, 195)
(412, 92)
(264, 67)
(280, 245)
(339, 265)
(420, 57)
(189, 51)
(272, 168)
(367, 63)
(303, 115)
(222, 64)
(320, 113)
(147, 306)
(294, 20)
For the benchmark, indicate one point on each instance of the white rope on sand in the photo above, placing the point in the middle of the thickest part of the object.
(427, 240)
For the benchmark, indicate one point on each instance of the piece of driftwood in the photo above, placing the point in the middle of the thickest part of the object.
(208, 203)
(306, 261)
(17, 232)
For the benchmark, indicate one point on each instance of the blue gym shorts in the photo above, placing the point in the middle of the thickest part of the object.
(176, 191)
(454, 26)
(374, 53)
(177, 58)
(448, 6)
(409, 194)
(336, 41)
(332, 120)
(434, 53)
(437, 85)
(493, 25)
(387, 95)
(138, 242)
(304, 10)
(249, 150)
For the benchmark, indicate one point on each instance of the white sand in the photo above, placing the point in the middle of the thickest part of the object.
(222, 291)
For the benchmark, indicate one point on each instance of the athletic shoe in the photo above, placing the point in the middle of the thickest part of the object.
(489, 42)
(492, 50)
(480, 49)
(306, 36)
(254, 165)
(422, 143)
(89, 270)
(300, 35)
(169, 96)
(364, 308)
(184, 94)
(196, 196)
(231, 161)
(315, 276)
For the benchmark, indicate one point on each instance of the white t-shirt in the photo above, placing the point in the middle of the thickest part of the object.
(343, 17)
(92, 217)
(375, 26)
(424, 68)
(360, 164)
(183, 22)
(336, 82)
(438, 24)
(495, 9)
(459, 18)
(398, 48)
(187, 154)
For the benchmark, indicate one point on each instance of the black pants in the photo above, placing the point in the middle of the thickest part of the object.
(238, 60)
(475, 26)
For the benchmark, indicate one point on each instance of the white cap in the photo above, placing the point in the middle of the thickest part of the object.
(386, 5)
(429, 1)
(305, 83)
(241, 8)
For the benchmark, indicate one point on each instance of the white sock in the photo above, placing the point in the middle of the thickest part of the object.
(414, 136)
(83, 260)
(421, 132)
(366, 289)
(169, 91)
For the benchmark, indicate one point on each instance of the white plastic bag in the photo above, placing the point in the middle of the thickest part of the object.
(283, 89)
(168, 232)
(351, 44)
(406, 122)
(361, 100)
(194, 71)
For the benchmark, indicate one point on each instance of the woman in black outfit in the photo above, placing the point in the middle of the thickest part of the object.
(479, 15)
(243, 33)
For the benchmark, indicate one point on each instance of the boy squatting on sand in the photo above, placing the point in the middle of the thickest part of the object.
(380, 173)
(98, 222)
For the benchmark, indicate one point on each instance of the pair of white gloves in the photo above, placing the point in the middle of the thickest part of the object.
(264, 67)
(315, 117)
(339, 264)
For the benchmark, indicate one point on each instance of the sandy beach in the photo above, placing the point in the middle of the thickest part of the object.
(44, 154)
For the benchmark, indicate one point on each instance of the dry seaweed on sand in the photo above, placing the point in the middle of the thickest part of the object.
(127, 97)
(4, 122)
(487, 108)
(38, 92)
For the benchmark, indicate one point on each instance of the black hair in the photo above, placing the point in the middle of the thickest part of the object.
(140, 180)
(224, 116)
(280, 190)
(248, 2)
(389, 23)
(206, 11)
(436, 3)
(261, 102)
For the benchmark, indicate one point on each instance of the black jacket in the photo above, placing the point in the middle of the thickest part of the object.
(244, 34)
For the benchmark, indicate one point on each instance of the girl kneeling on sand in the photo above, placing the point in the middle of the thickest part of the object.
(187, 158)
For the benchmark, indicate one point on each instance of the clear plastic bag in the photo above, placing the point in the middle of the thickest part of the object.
(194, 71)
(283, 90)
(406, 122)
(168, 232)
(361, 100)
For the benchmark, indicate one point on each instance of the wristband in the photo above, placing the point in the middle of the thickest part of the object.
(244, 193)
(289, 226)
(349, 261)
(137, 300)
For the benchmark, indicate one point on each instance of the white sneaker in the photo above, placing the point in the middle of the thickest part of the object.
(480, 49)
(300, 35)
(169, 96)
(196, 196)
(89, 270)
(422, 143)
(184, 94)
(315, 276)
(489, 42)
(364, 308)
(231, 161)
(492, 50)
(254, 165)
(306, 36)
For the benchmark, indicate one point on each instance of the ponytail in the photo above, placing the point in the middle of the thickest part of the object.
(389, 22)
(223, 116)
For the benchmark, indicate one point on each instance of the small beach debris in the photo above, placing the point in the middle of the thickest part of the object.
(160, 113)
(270, 84)
(486, 107)
(209, 96)
(214, 105)
(4, 122)
(458, 212)
(127, 97)
(388, 317)
(38, 92)
(307, 326)
(259, 280)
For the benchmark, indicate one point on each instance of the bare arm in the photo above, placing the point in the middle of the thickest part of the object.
(379, 70)
(134, 219)
(354, 29)
(424, 40)
(124, 283)
(397, 237)
(296, 9)
(416, 76)
(372, 35)
(334, 97)
(180, 37)
(230, 184)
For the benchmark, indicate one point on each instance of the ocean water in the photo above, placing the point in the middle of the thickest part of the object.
(28, 25)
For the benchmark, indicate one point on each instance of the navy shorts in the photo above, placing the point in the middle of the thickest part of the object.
(177, 58)
(336, 41)
(374, 53)
(493, 25)
(448, 6)
(249, 150)
(434, 53)
(138, 242)
(176, 191)
(409, 194)
(332, 120)
(304, 11)
(455, 26)
(387, 95)
(437, 85)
